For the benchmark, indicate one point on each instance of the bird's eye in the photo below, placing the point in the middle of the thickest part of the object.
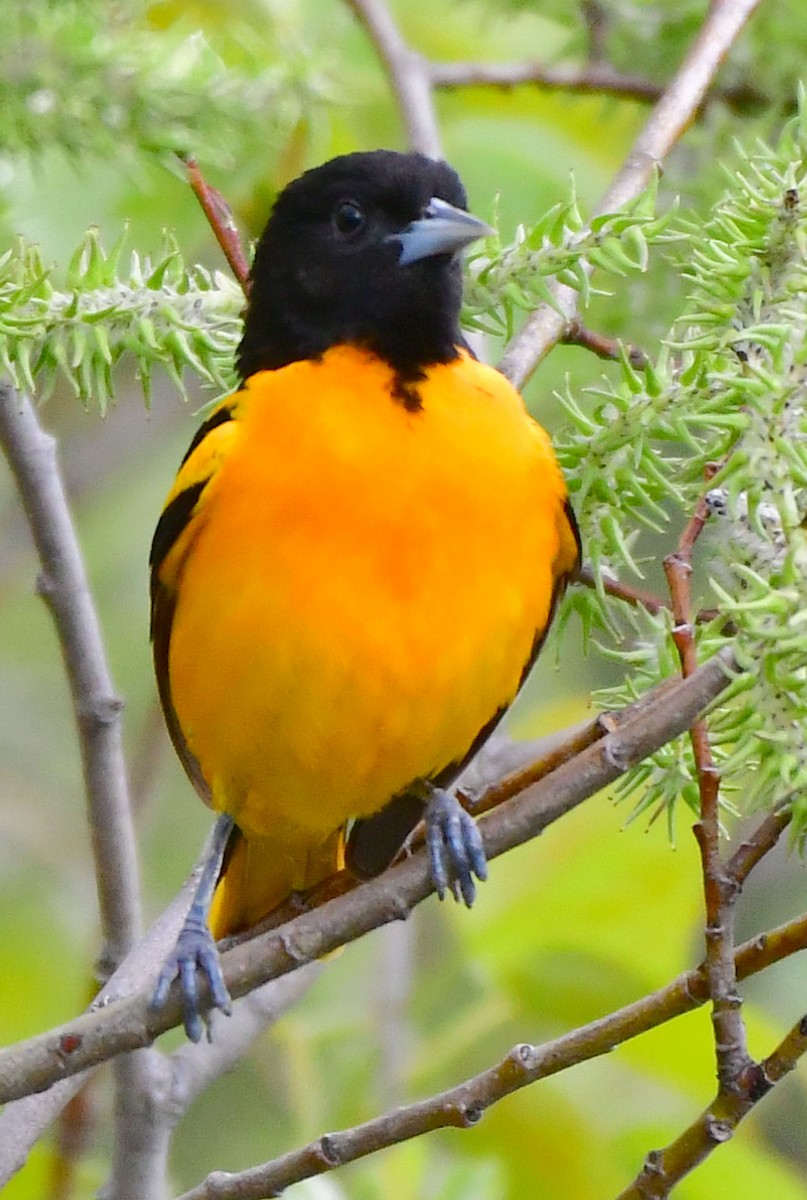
(348, 218)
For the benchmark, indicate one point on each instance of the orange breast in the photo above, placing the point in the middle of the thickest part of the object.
(363, 588)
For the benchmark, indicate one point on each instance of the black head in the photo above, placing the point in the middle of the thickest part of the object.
(361, 249)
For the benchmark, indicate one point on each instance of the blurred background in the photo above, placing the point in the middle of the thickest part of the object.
(594, 914)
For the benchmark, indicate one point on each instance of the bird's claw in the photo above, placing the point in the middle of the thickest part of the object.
(195, 950)
(454, 845)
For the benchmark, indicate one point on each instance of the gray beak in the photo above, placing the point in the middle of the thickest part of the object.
(443, 229)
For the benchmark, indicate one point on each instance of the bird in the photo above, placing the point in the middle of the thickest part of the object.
(357, 563)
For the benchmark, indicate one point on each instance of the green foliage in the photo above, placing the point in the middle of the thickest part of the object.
(159, 313)
(509, 281)
(90, 77)
(726, 395)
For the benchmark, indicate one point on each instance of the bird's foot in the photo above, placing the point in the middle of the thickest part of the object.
(454, 844)
(195, 950)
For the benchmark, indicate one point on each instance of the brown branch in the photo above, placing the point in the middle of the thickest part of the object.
(663, 1169)
(636, 597)
(719, 886)
(612, 349)
(63, 585)
(221, 221)
(759, 843)
(667, 123)
(594, 78)
(462, 1106)
(95, 1037)
(408, 73)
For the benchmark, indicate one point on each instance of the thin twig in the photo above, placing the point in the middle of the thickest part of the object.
(636, 597)
(720, 888)
(595, 78)
(612, 349)
(221, 221)
(663, 1169)
(64, 587)
(95, 1037)
(756, 845)
(667, 123)
(408, 74)
(461, 1106)
(31, 454)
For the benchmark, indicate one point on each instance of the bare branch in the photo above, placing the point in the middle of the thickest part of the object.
(757, 844)
(594, 78)
(462, 1106)
(578, 334)
(636, 597)
(595, 19)
(140, 1145)
(719, 887)
(597, 78)
(663, 1169)
(90, 1039)
(408, 73)
(63, 585)
(31, 454)
(220, 219)
(669, 120)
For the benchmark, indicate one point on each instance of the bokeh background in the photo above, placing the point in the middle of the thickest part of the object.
(598, 911)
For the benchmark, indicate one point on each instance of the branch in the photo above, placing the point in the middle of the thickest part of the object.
(636, 597)
(462, 1106)
(578, 334)
(596, 20)
(188, 1072)
(63, 585)
(139, 1148)
(220, 219)
(753, 848)
(720, 889)
(408, 73)
(669, 120)
(595, 78)
(90, 1039)
(663, 1169)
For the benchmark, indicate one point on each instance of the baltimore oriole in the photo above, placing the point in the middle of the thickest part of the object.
(359, 558)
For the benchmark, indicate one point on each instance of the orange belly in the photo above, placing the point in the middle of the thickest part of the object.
(363, 587)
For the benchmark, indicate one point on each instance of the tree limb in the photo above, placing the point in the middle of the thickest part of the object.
(63, 585)
(23, 1122)
(90, 1039)
(31, 454)
(462, 1106)
(663, 1169)
(668, 121)
(408, 74)
(593, 78)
